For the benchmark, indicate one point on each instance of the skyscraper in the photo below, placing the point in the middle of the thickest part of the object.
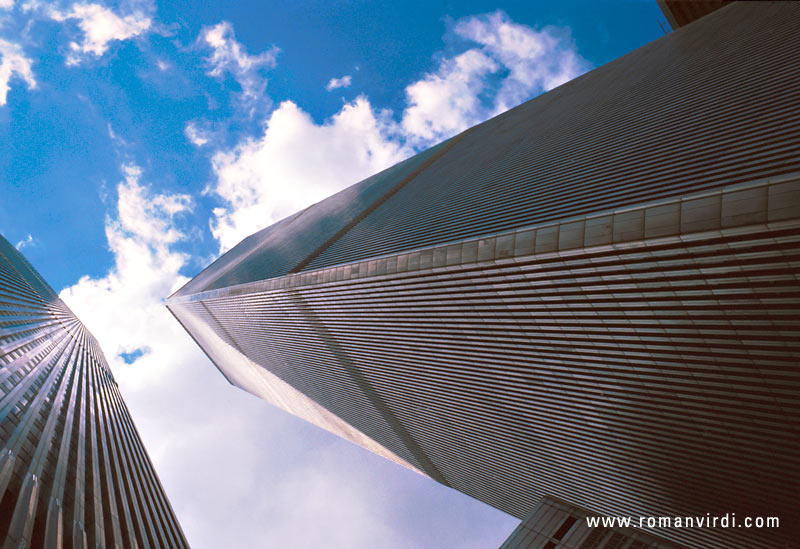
(592, 297)
(73, 471)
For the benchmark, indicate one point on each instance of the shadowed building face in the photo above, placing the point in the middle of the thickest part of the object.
(591, 296)
(73, 471)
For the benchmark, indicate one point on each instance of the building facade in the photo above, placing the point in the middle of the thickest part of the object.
(593, 296)
(73, 471)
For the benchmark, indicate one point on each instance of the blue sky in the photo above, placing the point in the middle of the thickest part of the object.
(139, 140)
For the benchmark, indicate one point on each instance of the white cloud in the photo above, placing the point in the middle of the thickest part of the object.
(100, 27)
(13, 63)
(145, 271)
(448, 101)
(537, 60)
(511, 64)
(196, 135)
(6, 4)
(229, 56)
(296, 163)
(335, 83)
(26, 242)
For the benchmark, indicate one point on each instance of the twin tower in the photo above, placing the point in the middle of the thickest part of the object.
(589, 304)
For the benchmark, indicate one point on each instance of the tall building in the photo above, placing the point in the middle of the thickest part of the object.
(593, 296)
(73, 471)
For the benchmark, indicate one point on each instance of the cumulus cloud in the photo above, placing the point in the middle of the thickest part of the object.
(6, 4)
(537, 61)
(229, 56)
(509, 64)
(13, 63)
(335, 83)
(100, 27)
(448, 101)
(145, 270)
(296, 163)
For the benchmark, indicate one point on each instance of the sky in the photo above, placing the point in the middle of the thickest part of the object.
(139, 140)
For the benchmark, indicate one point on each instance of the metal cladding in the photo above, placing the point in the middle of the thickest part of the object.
(73, 471)
(593, 296)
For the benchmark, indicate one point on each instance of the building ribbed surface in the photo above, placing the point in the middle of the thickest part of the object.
(593, 296)
(73, 471)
